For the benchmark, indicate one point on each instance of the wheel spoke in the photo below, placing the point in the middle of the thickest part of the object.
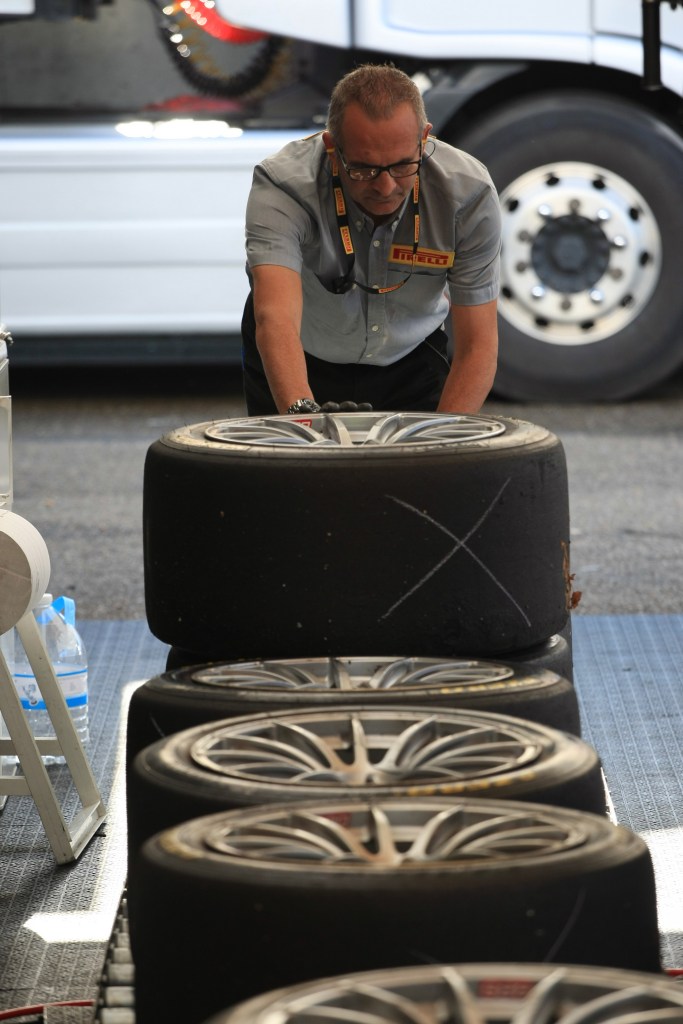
(347, 430)
(359, 747)
(349, 674)
(391, 833)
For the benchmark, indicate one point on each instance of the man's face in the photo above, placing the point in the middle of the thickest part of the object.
(368, 143)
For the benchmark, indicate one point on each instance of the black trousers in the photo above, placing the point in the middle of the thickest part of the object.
(414, 383)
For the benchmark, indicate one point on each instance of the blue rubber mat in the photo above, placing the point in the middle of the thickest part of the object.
(55, 922)
(628, 673)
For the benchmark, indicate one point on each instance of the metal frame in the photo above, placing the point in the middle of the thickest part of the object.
(66, 839)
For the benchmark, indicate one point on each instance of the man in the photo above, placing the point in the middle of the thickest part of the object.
(359, 241)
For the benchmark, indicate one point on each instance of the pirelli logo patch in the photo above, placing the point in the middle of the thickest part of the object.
(425, 257)
(346, 240)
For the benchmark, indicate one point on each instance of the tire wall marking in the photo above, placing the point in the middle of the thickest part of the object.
(459, 544)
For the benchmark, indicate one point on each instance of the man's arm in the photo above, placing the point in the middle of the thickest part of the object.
(475, 334)
(278, 305)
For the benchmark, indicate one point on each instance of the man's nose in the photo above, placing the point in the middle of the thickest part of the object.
(384, 183)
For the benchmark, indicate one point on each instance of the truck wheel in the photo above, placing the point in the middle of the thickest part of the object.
(247, 901)
(529, 992)
(591, 306)
(397, 751)
(278, 537)
(178, 700)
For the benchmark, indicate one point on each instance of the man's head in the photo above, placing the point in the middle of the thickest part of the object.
(377, 119)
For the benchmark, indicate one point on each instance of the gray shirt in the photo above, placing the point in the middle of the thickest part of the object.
(291, 222)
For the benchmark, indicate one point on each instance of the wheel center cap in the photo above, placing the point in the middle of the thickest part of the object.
(570, 254)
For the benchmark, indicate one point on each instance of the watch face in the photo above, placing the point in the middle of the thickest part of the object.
(304, 405)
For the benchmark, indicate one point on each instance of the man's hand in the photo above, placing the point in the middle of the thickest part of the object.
(346, 407)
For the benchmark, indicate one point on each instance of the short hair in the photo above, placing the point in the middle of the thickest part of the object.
(377, 89)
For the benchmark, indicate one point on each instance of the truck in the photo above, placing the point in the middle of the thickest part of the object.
(576, 111)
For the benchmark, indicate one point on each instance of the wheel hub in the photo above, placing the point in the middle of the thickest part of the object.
(581, 253)
(570, 253)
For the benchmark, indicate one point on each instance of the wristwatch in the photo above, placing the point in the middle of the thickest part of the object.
(303, 405)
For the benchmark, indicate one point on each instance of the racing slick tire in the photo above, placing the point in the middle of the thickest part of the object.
(235, 904)
(356, 751)
(530, 992)
(276, 538)
(178, 700)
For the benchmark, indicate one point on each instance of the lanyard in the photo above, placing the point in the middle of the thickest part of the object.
(343, 284)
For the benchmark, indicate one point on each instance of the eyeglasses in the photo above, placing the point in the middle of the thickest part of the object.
(400, 170)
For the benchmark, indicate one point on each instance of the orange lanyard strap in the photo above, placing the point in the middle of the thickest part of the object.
(345, 230)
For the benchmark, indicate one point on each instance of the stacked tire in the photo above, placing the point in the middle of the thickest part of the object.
(311, 808)
(356, 533)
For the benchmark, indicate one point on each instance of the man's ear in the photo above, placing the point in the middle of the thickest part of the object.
(425, 134)
(328, 141)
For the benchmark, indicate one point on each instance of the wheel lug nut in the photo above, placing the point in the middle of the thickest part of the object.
(603, 215)
(619, 242)
(596, 296)
(545, 211)
(538, 292)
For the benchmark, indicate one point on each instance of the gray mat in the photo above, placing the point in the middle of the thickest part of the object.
(55, 921)
(629, 679)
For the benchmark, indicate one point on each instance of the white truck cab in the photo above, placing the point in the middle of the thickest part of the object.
(119, 229)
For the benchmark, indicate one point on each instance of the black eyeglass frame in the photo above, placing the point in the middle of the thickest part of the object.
(371, 172)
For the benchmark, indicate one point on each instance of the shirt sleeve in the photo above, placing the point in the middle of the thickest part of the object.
(475, 276)
(277, 226)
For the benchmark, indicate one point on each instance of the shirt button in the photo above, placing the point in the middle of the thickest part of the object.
(375, 327)
(368, 357)
(376, 244)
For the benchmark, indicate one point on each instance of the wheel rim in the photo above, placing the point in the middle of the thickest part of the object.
(351, 430)
(353, 674)
(581, 255)
(362, 747)
(478, 994)
(392, 833)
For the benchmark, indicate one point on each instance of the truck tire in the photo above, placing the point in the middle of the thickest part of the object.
(529, 992)
(356, 751)
(591, 306)
(278, 538)
(178, 700)
(236, 904)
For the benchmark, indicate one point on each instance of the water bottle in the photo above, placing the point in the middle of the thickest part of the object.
(56, 621)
